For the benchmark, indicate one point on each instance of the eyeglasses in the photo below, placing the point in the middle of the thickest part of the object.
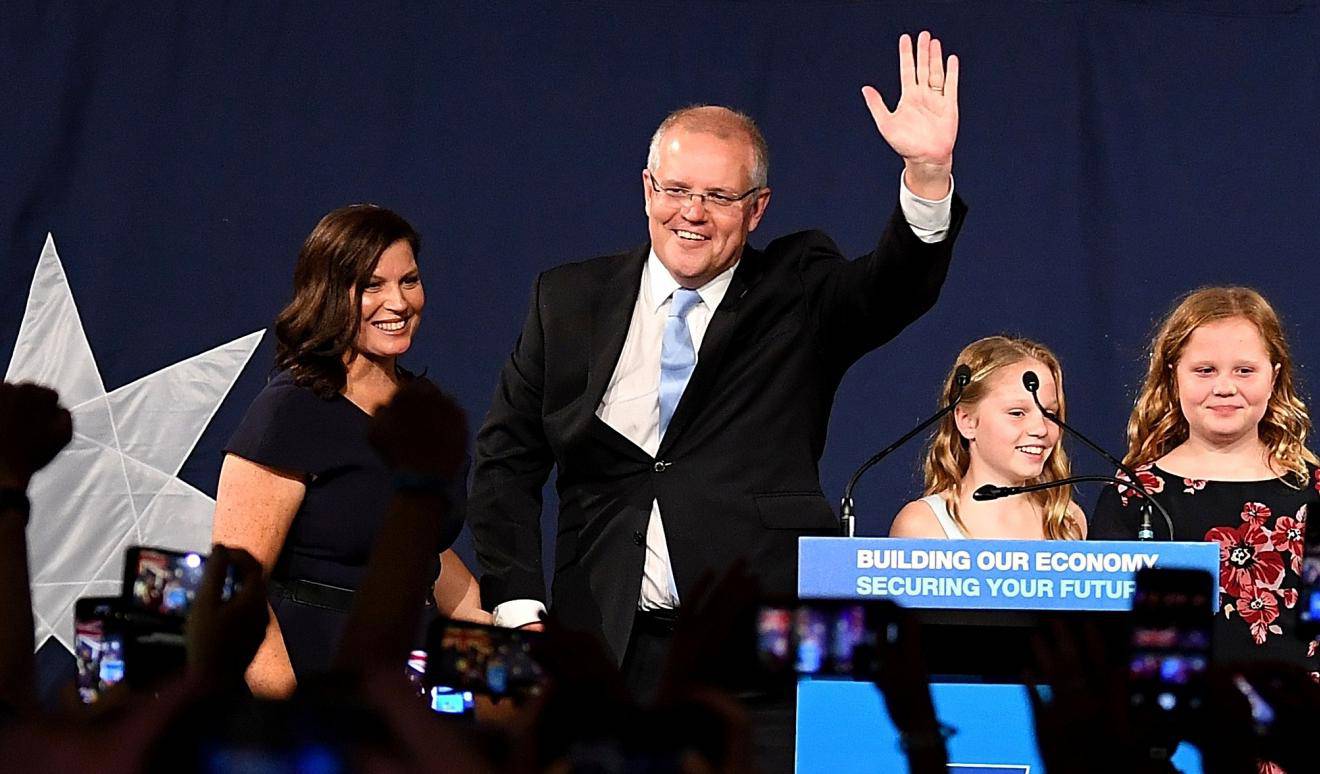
(679, 196)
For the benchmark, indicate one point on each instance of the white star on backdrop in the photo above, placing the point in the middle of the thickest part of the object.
(116, 484)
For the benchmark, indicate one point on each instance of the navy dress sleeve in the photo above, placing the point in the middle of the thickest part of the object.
(282, 429)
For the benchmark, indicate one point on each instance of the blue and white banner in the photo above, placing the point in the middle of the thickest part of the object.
(989, 574)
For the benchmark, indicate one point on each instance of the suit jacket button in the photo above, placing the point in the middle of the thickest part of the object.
(661, 465)
(639, 538)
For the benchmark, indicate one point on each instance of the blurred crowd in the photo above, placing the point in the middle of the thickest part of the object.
(363, 714)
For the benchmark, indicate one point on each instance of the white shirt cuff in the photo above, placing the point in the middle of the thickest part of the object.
(518, 612)
(928, 219)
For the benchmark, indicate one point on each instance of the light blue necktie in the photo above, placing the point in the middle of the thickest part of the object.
(677, 356)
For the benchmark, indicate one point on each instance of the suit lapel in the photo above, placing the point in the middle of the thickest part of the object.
(714, 348)
(611, 314)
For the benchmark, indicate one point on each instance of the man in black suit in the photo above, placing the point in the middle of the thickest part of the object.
(683, 389)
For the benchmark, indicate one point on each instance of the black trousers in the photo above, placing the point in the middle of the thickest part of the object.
(773, 721)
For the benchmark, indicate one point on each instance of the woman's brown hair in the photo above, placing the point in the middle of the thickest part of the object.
(1157, 424)
(948, 454)
(318, 327)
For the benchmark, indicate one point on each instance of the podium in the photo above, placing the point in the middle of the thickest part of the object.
(978, 602)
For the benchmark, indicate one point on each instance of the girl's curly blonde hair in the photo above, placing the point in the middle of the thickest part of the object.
(1157, 424)
(948, 455)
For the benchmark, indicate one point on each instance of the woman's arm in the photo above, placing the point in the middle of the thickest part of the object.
(254, 507)
(457, 594)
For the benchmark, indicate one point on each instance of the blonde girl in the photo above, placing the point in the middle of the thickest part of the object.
(997, 435)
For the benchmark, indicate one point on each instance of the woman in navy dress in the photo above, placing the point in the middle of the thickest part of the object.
(301, 488)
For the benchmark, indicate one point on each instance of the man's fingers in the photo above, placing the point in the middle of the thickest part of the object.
(923, 58)
(951, 79)
(936, 77)
(876, 104)
(907, 67)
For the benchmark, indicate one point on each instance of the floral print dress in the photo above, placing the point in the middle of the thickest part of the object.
(1259, 526)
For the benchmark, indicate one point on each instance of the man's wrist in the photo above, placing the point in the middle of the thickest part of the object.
(928, 180)
(517, 613)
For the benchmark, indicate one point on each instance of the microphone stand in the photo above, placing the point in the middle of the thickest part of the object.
(993, 492)
(1032, 383)
(962, 375)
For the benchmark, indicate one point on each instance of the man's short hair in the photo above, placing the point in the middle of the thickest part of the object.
(721, 121)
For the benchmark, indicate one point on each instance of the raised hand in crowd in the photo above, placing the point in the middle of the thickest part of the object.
(585, 707)
(709, 648)
(923, 126)
(223, 635)
(905, 685)
(33, 429)
(1261, 719)
(421, 431)
(422, 434)
(1083, 724)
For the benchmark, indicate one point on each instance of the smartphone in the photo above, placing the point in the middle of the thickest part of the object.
(442, 699)
(1170, 641)
(165, 582)
(1308, 608)
(490, 660)
(820, 637)
(98, 646)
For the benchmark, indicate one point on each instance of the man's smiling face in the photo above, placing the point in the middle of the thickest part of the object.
(695, 239)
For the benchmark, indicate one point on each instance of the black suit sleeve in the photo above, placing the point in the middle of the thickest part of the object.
(859, 305)
(513, 462)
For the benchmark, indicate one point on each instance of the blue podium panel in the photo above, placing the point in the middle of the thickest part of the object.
(843, 727)
(989, 574)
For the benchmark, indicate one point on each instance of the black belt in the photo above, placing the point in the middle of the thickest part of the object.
(660, 622)
(315, 594)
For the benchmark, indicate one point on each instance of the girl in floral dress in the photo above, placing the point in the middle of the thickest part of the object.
(1218, 435)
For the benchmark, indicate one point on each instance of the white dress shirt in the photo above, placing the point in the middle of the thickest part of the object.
(631, 404)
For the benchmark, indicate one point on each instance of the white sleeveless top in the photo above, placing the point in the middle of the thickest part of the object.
(951, 529)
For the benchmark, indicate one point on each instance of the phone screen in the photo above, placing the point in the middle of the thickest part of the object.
(440, 698)
(165, 582)
(482, 659)
(824, 638)
(1170, 643)
(161, 581)
(98, 647)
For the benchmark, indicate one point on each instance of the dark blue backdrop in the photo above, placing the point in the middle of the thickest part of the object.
(1114, 154)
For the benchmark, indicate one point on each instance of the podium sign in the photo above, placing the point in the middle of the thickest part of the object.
(989, 574)
(842, 726)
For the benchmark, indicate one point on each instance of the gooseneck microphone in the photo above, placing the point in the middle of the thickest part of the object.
(962, 375)
(994, 492)
(1032, 383)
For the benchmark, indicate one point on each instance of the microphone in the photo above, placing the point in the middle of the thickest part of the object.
(962, 376)
(994, 492)
(1032, 383)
